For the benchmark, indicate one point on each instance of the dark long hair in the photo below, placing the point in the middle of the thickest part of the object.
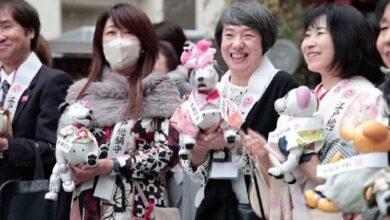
(137, 23)
(172, 33)
(353, 39)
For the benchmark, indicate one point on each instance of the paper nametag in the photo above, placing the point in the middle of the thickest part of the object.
(223, 170)
(370, 160)
(194, 111)
(105, 188)
(63, 144)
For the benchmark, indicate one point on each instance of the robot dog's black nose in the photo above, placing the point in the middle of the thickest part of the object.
(90, 112)
(200, 79)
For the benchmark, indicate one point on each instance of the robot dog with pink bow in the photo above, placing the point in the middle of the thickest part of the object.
(204, 109)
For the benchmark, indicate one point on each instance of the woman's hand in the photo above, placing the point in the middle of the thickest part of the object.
(206, 141)
(81, 173)
(78, 174)
(352, 216)
(254, 143)
(309, 169)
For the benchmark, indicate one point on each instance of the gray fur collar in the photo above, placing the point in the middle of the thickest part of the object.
(108, 98)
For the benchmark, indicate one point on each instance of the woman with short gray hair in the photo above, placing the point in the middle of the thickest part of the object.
(245, 32)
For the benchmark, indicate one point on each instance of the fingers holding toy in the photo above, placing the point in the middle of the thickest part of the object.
(352, 216)
(103, 166)
(213, 141)
(78, 174)
(82, 172)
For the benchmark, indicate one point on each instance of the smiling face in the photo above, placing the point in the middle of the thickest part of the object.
(383, 42)
(241, 49)
(317, 47)
(14, 39)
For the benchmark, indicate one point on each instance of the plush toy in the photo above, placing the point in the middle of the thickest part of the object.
(299, 132)
(75, 145)
(205, 108)
(344, 188)
(5, 126)
(5, 123)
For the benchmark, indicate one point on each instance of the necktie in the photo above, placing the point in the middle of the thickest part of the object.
(4, 87)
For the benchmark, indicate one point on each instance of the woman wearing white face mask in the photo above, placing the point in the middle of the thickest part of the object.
(131, 107)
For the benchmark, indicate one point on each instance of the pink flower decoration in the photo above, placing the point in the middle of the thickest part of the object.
(203, 45)
(199, 56)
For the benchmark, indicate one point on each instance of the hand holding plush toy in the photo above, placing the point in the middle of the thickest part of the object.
(5, 126)
(5, 123)
(75, 145)
(299, 131)
(204, 108)
(344, 188)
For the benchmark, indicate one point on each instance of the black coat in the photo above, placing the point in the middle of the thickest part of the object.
(220, 202)
(35, 121)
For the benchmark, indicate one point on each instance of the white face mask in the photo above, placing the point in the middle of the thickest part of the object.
(121, 53)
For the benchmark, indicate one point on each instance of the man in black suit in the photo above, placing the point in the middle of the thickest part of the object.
(30, 90)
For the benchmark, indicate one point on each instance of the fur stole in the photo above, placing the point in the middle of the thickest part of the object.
(108, 98)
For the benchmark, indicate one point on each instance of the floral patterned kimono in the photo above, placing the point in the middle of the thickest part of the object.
(140, 144)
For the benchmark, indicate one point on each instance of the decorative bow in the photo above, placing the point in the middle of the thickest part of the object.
(209, 97)
(199, 55)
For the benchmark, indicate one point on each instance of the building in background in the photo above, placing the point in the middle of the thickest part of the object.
(68, 24)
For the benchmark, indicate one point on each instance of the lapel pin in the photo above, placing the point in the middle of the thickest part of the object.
(24, 98)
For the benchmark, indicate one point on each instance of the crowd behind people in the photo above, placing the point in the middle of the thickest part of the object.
(137, 80)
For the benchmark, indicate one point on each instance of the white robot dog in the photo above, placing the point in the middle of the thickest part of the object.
(299, 131)
(75, 145)
(204, 109)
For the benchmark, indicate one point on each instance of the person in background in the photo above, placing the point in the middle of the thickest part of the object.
(132, 106)
(174, 34)
(382, 14)
(167, 60)
(43, 51)
(244, 33)
(181, 188)
(30, 90)
(331, 32)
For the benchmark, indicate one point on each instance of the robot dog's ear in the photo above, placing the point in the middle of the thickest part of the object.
(62, 107)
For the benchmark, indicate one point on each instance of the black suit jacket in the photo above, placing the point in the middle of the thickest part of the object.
(35, 121)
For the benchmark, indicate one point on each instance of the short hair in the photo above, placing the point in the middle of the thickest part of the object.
(251, 14)
(353, 41)
(380, 9)
(25, 15)
(172, 33)
(170, 54)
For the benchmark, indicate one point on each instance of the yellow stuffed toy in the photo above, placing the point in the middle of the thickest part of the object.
(344, 189)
